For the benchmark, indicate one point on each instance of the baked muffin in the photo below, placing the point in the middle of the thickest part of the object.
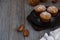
(53, 10)
(45, 16)
(40, 8)
(34, 2)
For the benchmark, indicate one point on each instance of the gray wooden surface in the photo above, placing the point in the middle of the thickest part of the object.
(13, 13)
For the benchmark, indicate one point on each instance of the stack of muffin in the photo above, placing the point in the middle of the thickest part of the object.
(44, 13)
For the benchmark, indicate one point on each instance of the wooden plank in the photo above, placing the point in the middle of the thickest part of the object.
(4, 19)
(13, 35)
(16, 18)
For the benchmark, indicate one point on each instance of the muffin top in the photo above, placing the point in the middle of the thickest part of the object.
(34, 2)
(52, 9)
(40, 8)
(45, 15)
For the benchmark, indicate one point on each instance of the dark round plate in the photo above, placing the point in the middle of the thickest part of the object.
(38, 25)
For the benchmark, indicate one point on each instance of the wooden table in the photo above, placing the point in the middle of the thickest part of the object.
(13, 13)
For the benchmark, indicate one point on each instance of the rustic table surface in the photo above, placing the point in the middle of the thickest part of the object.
(13, 13)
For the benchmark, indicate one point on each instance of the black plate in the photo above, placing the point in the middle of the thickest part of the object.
(38, 25)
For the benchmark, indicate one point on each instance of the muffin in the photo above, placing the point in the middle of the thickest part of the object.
(34, 2)
(45, 16)
(40, 8)
(53, 10)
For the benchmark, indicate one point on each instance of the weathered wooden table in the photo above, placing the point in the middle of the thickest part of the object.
(12, 14)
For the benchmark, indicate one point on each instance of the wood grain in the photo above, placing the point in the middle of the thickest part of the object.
(13, 13)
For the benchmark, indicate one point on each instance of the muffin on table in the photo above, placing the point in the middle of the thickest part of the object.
(45, 16)
(40, 8)
(34, 2)
(53, 10)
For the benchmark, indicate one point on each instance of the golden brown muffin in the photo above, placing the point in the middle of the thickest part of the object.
(34, 2)
(45, 16)
(40, 8)
(53, 10)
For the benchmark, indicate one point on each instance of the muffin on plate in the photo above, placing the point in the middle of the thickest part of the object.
(53, 10)
(40, 8)
(45, 16)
